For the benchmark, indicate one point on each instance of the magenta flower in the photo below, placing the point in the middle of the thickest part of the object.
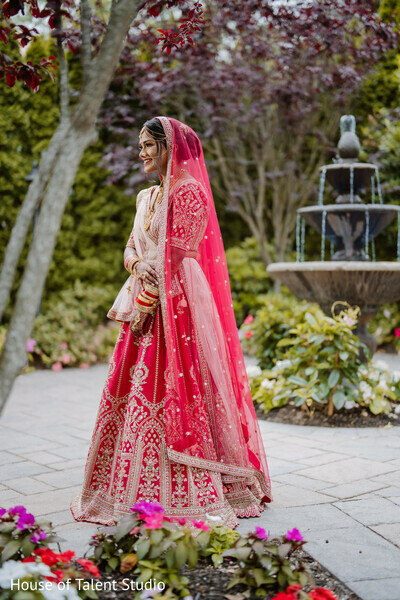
(3, 511)
(147, 508)
(248, 319)
(200, 525)
(397, 332)
(261, 533)
(30, 345)
(38, 535)
(25, 520)
(17, 510)
(294, 534)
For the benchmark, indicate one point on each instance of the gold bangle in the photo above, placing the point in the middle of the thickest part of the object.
(134, 269)
(151, 288)
(131, 262)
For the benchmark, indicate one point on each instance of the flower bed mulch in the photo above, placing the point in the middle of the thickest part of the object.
(354, 417)
(209, 583)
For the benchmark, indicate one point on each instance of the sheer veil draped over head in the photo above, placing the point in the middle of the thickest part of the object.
(219, 431)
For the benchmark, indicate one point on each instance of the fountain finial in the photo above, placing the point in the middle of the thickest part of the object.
(349, 144)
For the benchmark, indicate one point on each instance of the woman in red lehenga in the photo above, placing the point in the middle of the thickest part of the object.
(176, 422)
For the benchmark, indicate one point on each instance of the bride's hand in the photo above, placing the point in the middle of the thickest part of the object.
(149, 275)
(136, 325)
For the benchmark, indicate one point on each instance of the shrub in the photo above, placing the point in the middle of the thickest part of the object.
(69, 334)
(321, 367)
(273, 322)
(248, 277)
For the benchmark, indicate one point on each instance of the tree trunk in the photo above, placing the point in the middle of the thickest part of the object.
(40, 254)
(24, 219)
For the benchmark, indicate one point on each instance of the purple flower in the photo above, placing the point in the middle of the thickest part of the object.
(17, 510)
(261, 533)
(38, 535)
(25, 521)
(2, 511)
(147, 508)
(294, 534)
(30, 345)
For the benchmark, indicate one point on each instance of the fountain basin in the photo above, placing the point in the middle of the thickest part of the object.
(365, 284)
(348, 225)
(339, 176)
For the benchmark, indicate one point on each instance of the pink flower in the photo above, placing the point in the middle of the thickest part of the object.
(63, 345)
(154, 521)
(294, 534)
(84, 366)
(248, 334)
(147, 508)
(349, 321)
(25, 520)
(261, 533)
(397, 332)
(181, 521)
(56, 366)
(248, 319)
(38, 535)
(200, 525)
(30, 345)
(66, 358)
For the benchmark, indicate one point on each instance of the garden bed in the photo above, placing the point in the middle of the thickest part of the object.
(208, 582)
(354, 417)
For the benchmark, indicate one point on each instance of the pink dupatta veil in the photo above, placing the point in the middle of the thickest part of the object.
(226, 436)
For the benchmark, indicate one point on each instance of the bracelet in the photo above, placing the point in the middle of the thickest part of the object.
(151, 289)
(133, 271)
(131, 262)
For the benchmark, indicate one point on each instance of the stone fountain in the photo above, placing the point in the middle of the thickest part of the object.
(351, 226)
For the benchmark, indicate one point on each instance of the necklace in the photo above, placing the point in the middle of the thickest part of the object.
(152, 208)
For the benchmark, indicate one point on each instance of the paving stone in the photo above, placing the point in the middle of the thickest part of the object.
(347, 469)
(21, 469)
(354, 553)
(70, 451)
(44, 458)
(303, 482)
(354, 488)
(390, 531)
(63, 479)
(53, 501)
(377, 589)
(28, 485)
(389, 491)
(371, 511)
(392, 478)
(290, 495)
(10, 497)
(322, 458)
(63, 517)
(294, 452)
(7, 458)
(278, 467)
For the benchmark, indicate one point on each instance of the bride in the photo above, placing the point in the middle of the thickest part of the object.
(176, 422)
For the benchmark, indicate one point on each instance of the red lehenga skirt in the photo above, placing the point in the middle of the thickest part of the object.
(127, 460)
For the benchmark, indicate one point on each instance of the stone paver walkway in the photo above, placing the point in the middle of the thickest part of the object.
(340, 487)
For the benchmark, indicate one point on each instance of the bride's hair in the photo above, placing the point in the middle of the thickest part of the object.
(156, 130)
(190, 149)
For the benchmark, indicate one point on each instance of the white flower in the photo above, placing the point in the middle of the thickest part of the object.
(363, 370)
(387, 313)
(396, 376)
(365, 388)
(381, 364)
(373, 374)
(349, 404)
(268, 384)
(55, 593)
(213, 518)
(14, 569)
(397, 409)
(382, 385)
(283, 364)
(378, 331)
(253, 371)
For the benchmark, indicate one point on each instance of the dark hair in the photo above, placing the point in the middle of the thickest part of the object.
(156, 130)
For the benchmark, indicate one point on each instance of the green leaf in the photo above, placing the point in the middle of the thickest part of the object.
(10, 549)
(339, 399)
(333, 378)
(180, 554)
(142, 548)
(344, 355)
(297, 380)
(113, 562)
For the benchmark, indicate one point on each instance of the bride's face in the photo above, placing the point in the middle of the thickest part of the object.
(153, 159)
